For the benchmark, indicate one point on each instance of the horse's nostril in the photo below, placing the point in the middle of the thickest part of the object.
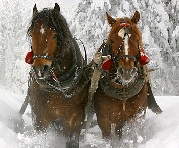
(121, 71)
(133, 71)
(44, 69)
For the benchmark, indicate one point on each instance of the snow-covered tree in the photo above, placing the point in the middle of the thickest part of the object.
(159, 26)
(13, 34)
(89, 24)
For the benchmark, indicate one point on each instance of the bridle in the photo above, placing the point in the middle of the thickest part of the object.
(115, 57)
(52, 58)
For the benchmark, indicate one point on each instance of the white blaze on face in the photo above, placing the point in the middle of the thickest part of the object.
(42, 30)
(126, 45)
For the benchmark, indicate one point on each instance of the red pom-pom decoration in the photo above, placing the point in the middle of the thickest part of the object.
(106, 65)
(144, 59)
(29, 57)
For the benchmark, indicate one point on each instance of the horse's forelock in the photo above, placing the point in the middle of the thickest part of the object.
(53, 20)
(56, 21)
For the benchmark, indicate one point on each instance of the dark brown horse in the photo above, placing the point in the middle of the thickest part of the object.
(58, 87)
(122, 91)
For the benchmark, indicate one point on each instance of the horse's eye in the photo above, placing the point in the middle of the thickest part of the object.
(112, 41)
(55, 37)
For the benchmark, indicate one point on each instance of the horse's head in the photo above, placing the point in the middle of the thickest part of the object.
(124, 40)
(46, 34)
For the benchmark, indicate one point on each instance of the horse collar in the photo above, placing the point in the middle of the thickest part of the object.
(123, 93)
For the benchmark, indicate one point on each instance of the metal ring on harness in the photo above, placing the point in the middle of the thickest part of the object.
(43, 57)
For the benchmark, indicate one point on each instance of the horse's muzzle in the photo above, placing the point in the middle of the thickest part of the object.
(126, 76)
(42, 72)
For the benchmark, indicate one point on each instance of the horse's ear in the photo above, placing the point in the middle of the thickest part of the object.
(110, 20)
(136, 17)
(35, 9)
(57, 7)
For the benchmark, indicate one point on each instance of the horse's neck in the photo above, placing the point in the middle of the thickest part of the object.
(71, 62)
(64, 63)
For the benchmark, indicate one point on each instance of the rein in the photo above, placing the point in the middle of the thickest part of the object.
(83, 49)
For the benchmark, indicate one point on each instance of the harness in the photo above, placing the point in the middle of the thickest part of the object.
(107, 48)
(66, 84)
(106, 79)
(120, 93)
(124, 93)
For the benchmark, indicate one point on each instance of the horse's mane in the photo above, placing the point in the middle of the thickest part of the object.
(54, 20)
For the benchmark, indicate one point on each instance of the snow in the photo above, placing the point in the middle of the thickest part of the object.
(89, 24)
(136, 5)
(100, 4)
(163, 30)
(161, 131)
(176, 32)
(146, 36)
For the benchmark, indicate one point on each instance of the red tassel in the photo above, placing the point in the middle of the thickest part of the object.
(29, 57)
(144, 59)
(106, 65)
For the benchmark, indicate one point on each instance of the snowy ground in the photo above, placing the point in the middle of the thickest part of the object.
(157, 131)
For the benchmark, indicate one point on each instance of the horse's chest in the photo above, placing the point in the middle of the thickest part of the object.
(55, 103)
(114, 108)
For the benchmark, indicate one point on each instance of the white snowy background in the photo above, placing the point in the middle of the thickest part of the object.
(160, 30)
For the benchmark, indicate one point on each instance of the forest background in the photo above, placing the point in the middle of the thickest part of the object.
(159, 25)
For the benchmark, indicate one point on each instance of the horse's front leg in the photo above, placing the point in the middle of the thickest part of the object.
(105, 125)
(40, 123)
(72, 129)
(110, 130)
(73, 140)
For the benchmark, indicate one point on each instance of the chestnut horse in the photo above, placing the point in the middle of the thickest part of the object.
(58, 88)
(122, 91)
